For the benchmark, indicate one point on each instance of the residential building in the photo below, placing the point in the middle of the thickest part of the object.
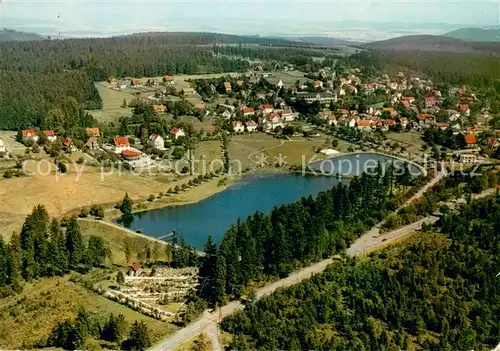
(188, 91)
(68, 145)
(248, 111)
(332, 120)
(93, 132)
(470, 140)
(226, 114)
(121, 144)
(51, 136)
(227, 87)
(92, 143)
(318, 84)
(131, 155)
(430, 101)
(280, 84)
(274, 121)
(200, 106)
(29, 135)
(287, 115)
(160, 108)
(2, 146)
(352, 123)
(168, 80)
(464, 108)
(177, 133)
(363, 124)
(135, 269)
(468, 158)
(136, 83)
(443, 126)
(267, 108)
(157, 141)
(238, 126)
(251, 126)
(320, 97)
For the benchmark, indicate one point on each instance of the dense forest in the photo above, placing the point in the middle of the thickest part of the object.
(46, 248)
(38, 76)
(438, 292)
(304, 231)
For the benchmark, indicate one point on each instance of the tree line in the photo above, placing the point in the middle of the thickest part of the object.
(305, 231)
(70, 335)
(437, 292)
(46, 248)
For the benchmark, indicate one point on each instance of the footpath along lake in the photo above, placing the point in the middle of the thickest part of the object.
(256, 192)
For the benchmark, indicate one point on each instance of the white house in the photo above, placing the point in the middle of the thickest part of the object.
(274, 121)
(238, 127)
(280, 84)
(30, 135)
(226, 114)
(121, 144)
(332, 120)
(287, 115)
(251, 126)
(51, 136)
(267, 109)
(157, 141)
(2, 146)
(352, 123)
(177, 133)
(248, 111)
(468, 158)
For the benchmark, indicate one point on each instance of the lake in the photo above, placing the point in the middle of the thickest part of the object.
(256, 192)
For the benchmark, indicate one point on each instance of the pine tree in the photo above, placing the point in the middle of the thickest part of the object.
(124, 103)
(114, 329)
(126, 205)
(139, 338)
(207, 270)
(96, 251)
(33, 239)
(74, 243)
(220, 279)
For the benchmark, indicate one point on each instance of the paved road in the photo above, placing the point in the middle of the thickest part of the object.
(366, 242)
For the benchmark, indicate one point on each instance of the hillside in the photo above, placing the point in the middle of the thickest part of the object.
(475, 34)
(13, 35)
(320, 40)
(432, 43)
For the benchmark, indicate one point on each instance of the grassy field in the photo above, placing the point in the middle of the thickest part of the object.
(29, 317)
(411, 140)
(116, 238)
(64, 194)
(289, 77)
(249, 147)
(112, 101)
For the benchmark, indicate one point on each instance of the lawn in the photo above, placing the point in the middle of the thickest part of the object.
(112, 101)
(289, 77)
(29, 317)
(411, 140)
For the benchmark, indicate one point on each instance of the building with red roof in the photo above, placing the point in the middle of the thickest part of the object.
(121, 144)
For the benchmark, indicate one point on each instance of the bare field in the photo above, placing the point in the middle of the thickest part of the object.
(29, 317)
(9, 139)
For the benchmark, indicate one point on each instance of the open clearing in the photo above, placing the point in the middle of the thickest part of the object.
(248, 148)
(411, 140)
(111, 104)
(116, 238)
(64, 194)
(29, 317)
(289, 77)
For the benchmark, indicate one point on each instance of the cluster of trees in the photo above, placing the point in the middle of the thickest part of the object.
(113, 329)
(308, 230)
(434, 293)
(46, 248)
(445, 138)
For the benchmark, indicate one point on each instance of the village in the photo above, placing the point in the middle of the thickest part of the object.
(298, 105)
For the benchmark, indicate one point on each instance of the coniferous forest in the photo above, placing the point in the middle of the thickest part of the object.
(438, 292)
(39, 76)
(46, 248)
(305, 231)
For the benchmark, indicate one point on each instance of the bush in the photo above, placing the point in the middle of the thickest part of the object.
(151, 197)
(84, 212)
(80, 160)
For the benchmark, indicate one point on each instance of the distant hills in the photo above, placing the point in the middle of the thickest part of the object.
(321, 40)
(432, 43)
(14, 35)
(475, 34)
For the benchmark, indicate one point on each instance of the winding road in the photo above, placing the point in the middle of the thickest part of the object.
(367, 242)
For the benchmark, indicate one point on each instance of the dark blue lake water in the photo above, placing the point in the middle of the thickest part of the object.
(258, 192)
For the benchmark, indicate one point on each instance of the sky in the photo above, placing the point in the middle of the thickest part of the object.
(358, 19)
